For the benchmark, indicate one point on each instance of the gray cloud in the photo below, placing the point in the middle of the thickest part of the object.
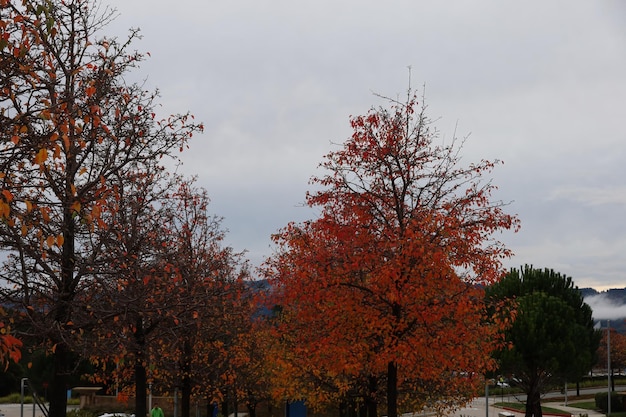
(538, 85)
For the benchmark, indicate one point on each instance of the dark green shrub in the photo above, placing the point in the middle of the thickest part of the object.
(617, 402)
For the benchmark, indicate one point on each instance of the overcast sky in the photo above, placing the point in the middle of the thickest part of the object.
(539, 85)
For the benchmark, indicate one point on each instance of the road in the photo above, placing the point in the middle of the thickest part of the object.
(476, 408)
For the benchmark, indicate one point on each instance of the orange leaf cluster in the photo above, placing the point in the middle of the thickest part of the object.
(385, 283)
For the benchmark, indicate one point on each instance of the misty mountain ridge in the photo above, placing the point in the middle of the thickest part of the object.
(607, 305)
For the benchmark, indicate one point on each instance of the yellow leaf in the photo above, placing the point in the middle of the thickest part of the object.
(60, 240)
(42, 156)
(50, 241)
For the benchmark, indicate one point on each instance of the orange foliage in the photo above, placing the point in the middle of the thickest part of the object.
(385, 286)
(10, 346)
(618, 350)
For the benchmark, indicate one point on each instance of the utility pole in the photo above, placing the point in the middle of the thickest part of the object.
(608, 360)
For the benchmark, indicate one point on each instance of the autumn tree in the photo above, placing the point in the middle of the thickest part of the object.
(208, 282)
(617, 343)
(552, 339)
(381, 295)
(250, 361)
(69, 123)
(170, 293)
(131, 297)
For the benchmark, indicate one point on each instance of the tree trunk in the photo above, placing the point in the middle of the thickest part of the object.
(251, 409)
(58, 385)
(392, 389)
(186, 380)
(612, 380)
(225, 408)
(141, 378)
(533, 404)
(369, 406)
(141, 409)
(62, 361)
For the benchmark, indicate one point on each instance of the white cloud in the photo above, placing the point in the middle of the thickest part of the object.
(604, 308)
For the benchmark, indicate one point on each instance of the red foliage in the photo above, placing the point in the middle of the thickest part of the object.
(385, 286)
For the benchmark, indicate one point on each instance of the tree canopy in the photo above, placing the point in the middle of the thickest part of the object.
(70, 127)
(380, 297)
(552, 338)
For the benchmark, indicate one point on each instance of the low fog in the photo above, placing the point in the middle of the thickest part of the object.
(605, 309)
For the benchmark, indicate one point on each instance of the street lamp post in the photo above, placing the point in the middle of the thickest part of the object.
(486, 398)
(608, 361)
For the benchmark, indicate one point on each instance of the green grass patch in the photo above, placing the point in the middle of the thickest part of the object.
(16, 399)
(585, 405)
(522, 407)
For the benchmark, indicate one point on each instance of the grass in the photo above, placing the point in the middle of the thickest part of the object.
(521, 407)
(17, 399)
(583, 405)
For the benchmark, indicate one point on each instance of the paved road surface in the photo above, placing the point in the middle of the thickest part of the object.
(475, 409)
(15, 410)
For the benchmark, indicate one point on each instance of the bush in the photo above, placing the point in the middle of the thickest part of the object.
(80, 413)
(617, 401)
(16, 398)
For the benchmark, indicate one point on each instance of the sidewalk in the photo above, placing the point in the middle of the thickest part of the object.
(570, 409)
(477, 409)
(15, 410)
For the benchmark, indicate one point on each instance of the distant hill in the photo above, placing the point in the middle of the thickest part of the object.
(617, 295)
(609, 304)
